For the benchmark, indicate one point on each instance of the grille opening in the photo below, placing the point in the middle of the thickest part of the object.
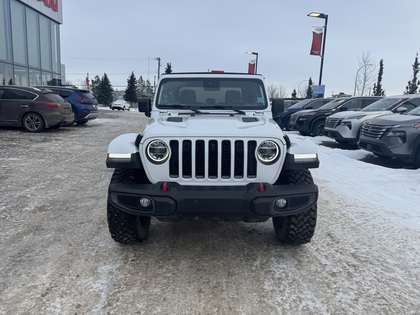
(213, 159)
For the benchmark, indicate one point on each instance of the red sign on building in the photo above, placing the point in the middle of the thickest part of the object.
(53, 4)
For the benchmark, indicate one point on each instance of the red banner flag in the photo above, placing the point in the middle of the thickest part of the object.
(317, 32)
(251, 67)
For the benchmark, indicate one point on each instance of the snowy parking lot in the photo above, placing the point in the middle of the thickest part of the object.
(57, 256)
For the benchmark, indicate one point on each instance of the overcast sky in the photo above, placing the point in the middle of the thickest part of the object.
(117, 37)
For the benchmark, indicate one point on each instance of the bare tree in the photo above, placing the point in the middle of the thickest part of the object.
(276, 92)
(365, 75)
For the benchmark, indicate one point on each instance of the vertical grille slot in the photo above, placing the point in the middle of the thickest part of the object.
(226, 158)
(252, 161)
(239, 159)
(213, 159)
(200, 159)
(186, 158)
(174, 160)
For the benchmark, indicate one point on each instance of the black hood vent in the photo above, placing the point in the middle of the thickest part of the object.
(250, 119)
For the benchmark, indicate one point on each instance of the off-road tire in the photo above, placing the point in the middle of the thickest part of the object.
(318, 128)
(127, 228)
(33, 122)
(296, 229)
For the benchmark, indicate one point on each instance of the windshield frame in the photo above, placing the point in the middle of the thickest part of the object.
(214, 89)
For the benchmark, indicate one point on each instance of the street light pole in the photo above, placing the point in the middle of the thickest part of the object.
(325, 17)
(256, 59)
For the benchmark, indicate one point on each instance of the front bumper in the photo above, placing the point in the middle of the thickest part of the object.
(301, 125)
(403, 151)
(241, 203)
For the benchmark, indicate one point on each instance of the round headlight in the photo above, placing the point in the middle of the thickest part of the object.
(268, 152)
(157, 151)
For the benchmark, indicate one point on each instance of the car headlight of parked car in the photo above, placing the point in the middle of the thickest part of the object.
(157, 151)
(398, 134)
(346, 124)
(268, 152)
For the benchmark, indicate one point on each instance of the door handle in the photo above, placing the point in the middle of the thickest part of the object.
(24, 106)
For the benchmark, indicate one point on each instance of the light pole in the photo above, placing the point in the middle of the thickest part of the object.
(325, 17)
(300, 94)
(256, 59)
(357, 74)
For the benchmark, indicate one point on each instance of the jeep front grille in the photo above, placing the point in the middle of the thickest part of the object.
(374, 131)
(332, 122)
(213, 159)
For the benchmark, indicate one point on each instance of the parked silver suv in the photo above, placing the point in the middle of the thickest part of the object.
(394, 136)
(345, 127)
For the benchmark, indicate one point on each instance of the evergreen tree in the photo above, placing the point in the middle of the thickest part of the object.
(413, 85)
(168, 68)
(11, 82)
(141, 87)
(377, 87)
(131, 90)
(309, 89)
(94, 83)
(105, 91)
(4, 81)
(294, 93)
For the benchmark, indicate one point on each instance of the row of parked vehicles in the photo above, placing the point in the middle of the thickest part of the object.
(41, 107)
(386, 126)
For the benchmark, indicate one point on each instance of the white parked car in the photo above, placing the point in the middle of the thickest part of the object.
(120, 105)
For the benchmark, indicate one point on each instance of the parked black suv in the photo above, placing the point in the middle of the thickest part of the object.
(312, 122)
(283, 119)
(83, 103)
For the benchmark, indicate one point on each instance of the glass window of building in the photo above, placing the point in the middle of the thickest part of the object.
(55, 39)
(18, 32)
(33, 38)
(34, 77)
(21, 76)
(45, 33)
(6, 74)
(5, 44)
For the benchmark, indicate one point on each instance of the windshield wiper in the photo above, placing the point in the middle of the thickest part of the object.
(179, 106)
(224, 107)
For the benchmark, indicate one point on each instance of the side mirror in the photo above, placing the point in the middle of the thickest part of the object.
(145, 106)
(277, 106)
(401, 110)
(343, 108)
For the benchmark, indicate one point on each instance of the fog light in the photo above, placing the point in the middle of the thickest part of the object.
(145, 202)
(281, 203)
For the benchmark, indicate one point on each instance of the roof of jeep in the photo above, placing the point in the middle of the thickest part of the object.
(213, 74)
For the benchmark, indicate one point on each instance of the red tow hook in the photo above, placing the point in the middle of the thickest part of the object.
(261, 187)
(165, 187)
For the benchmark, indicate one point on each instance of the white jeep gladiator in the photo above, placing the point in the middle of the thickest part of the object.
(211, 151)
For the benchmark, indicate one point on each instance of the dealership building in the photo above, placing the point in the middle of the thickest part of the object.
(30, 42)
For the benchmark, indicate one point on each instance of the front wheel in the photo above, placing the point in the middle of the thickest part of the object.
(296, 229)
(33, 122)
(417, 158)
(127, 228)
(318, 129)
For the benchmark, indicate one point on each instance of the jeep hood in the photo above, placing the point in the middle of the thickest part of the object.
(396, 119)
(212, 126)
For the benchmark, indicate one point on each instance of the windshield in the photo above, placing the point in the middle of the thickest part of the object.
(333, 104)
(386, 103)
(211, 93)
(415, 111)
(301, 104)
